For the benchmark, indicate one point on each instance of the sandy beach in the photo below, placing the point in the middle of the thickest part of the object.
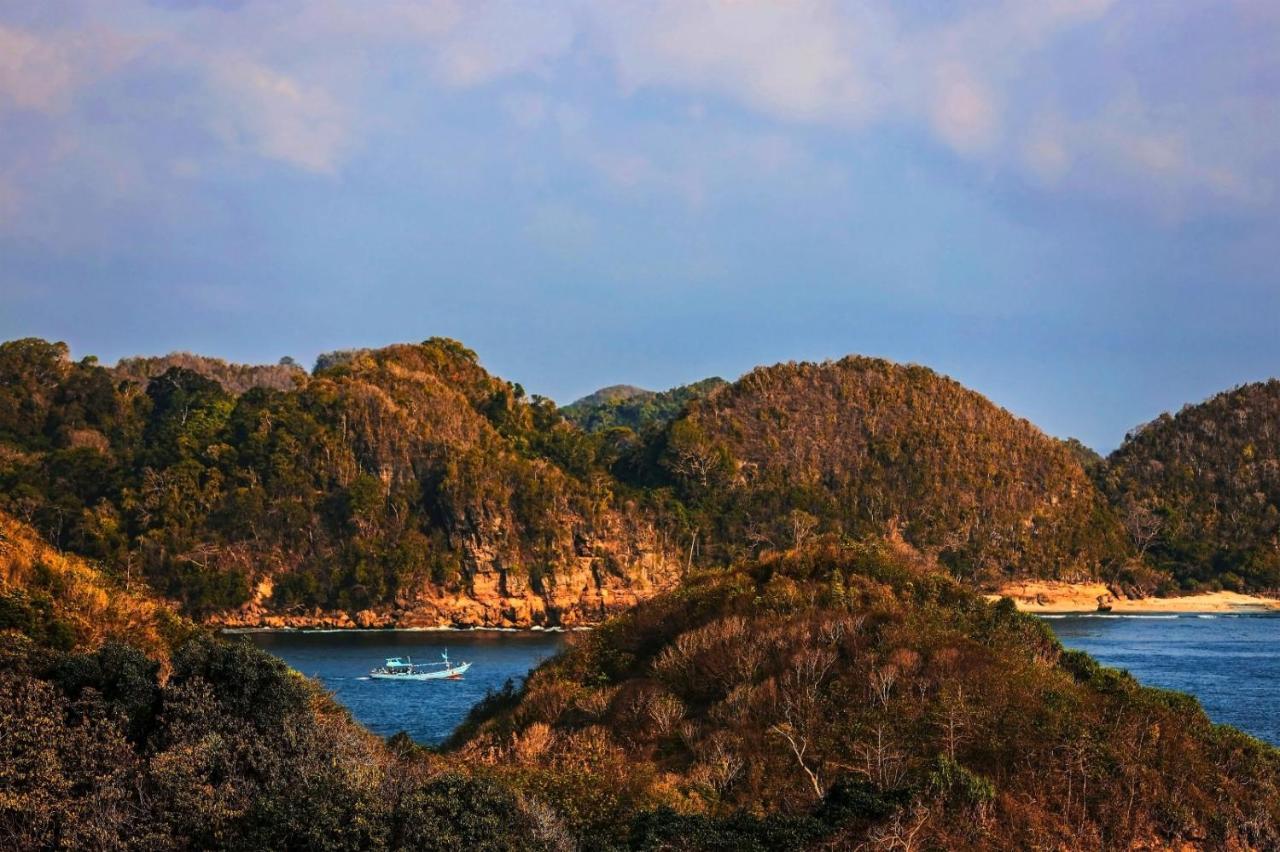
(1047, 596)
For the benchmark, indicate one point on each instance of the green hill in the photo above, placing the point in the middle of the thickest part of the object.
(403, 484)
(1199, 491)
(861, 445)
(634, 408)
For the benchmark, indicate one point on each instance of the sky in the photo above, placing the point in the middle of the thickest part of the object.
(1069, 205)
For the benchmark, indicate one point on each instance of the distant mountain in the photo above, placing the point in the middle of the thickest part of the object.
(1199, 491)
(635, 408)
(856, 698)
(862, 445)
(235, 378)
(611, 394)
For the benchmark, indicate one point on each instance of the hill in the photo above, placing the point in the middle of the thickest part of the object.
(856, 697)
(626, 406)
(396, 486)
(860, 445)
(123, 726)
(65, 602)
(612, 393)
(1199, 491)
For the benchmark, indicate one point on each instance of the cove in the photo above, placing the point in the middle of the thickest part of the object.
(427, 710)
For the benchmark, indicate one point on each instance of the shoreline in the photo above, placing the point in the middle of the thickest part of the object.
(310, 630)
(1058, 598)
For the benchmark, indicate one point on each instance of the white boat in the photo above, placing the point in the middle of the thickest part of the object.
(403, 668)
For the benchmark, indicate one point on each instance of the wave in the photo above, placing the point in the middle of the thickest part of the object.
(1159, 617)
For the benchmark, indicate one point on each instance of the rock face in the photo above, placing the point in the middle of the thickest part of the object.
(584, 594)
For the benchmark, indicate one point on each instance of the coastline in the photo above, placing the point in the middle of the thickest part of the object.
(580, 628)
(1054, 597)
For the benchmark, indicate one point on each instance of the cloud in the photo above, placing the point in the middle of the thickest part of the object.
(494, 39)
(277, 116)
(43, 72)
(963, 112)
(34, 74)
(1088, 97)
(793, 60)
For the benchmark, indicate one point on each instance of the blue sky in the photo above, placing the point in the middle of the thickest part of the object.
(1069, 205)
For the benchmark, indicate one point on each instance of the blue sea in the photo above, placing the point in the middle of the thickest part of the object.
(1231, 662)
(427, 710)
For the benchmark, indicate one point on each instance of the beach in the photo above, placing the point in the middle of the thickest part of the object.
(1049, 596)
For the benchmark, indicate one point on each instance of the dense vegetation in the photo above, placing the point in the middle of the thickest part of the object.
(234, 378)
(821, 680)
(387, 473)
(1199, 491)
(63, 602)
(851, 695)
(123, 726)
(637, 409)
(391, 476)
(861, 445)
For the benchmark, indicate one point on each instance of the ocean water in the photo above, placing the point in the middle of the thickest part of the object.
(1231, 662)
(427, 710)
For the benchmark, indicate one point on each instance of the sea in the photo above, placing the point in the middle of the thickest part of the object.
(426, 710)
(1230, 661)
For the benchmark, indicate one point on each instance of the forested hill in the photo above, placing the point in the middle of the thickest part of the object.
(855, 697)
(1200, 490)
(635, 408)
(860, 445)
(408, 486)
(403, 485)
(124, 726)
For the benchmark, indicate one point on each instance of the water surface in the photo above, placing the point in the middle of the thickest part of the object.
(1231, 662)
(427, 710)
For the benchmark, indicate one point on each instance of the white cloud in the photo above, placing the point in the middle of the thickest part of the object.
(1048, 90)
(963, 111)
(795, 60)
(277, 116)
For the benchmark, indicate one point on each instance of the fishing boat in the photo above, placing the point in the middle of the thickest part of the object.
(404, 668)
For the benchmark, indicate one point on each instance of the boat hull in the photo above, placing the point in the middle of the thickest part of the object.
(453, 673)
